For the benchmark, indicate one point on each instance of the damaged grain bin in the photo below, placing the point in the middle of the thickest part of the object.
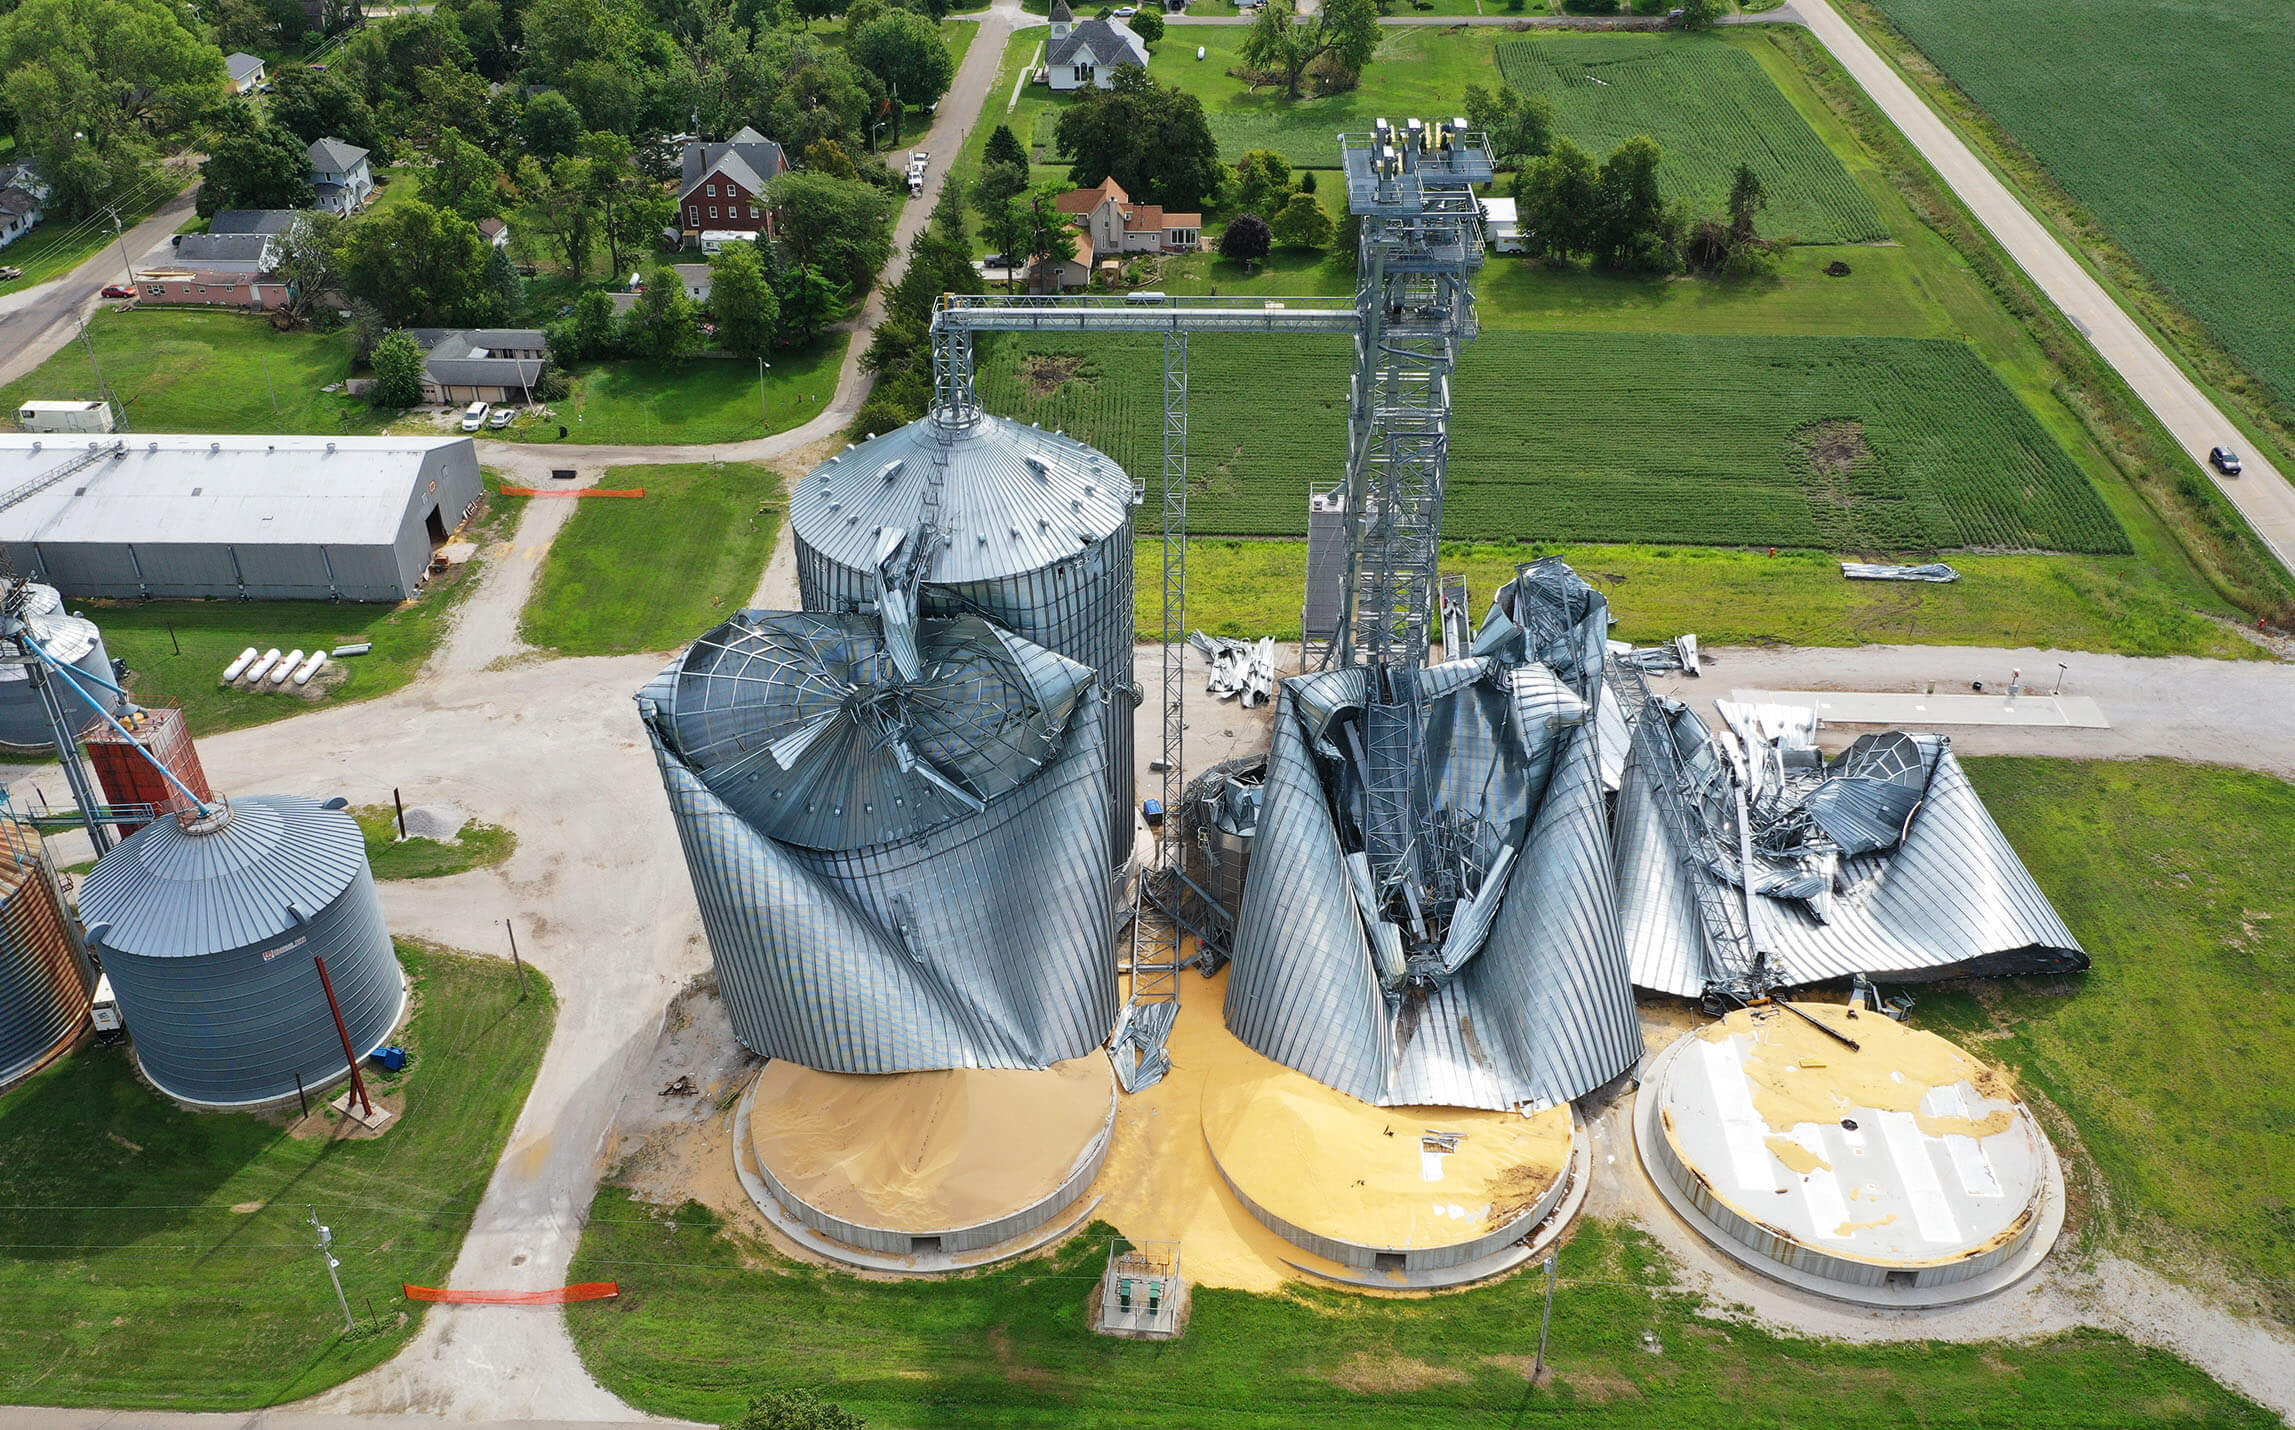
(209, 923)
(45, 979)
(895, 828)
(983, 516)
(69, 640)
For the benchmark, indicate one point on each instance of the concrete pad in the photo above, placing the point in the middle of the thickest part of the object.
(1911, 710)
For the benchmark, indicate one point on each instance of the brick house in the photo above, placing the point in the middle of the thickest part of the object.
(722, 194)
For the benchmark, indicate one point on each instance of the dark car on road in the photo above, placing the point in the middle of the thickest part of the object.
(2225, 460)
(118, 290)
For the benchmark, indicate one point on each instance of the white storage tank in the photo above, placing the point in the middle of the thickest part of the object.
(209, 925)
(1035, 536)
(73, 641)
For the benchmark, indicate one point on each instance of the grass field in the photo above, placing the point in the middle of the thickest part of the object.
(2171, 1056)
(184, 371)
(2101, 603)
(1839, 443)
(704, 400)
(476, 846)
(2166, 121)
(160, 1258)
(706, 1319)
(1710, 107)
(653, 573)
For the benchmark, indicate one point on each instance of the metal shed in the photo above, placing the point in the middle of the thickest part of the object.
(209, 928)
(1034, 533)
(72, 640)
(251, 518)
(44, 974)
(897, 872)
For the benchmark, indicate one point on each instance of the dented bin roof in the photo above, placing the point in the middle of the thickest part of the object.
(1012, 498)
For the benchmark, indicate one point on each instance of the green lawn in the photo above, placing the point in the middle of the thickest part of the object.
(1606, 437)
(2171, 1056)
(703, 400)
(1710, 107)
(477, 846)
(186, 371)
(708, 1318)
(160, 1258)
(2099, 603)
(56, 246)
(2166, 120)
(177, 650)
(653, 573)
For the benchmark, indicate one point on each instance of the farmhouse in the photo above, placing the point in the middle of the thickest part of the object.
(261, 518)
(1088, 54)
(495, 232)
(1117, 225)
(22, 194)
(340, 174)
(722, 193)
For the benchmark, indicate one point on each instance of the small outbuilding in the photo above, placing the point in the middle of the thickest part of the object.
(247, 518)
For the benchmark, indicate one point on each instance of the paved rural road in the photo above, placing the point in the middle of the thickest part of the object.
(36, 322)
(2263, 495)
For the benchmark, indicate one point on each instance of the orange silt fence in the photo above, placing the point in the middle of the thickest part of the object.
(580, 1291)
(576, 492)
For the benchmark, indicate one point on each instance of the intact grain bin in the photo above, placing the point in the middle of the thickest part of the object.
(127, 775)
(73, 641)
(208, 928)
(1035, 535)
(44, 977)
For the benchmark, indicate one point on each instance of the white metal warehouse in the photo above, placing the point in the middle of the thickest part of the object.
(260, 518)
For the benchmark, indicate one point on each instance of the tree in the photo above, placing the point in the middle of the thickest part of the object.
(827, 156)
(1343, 34)
(420, 265)
(1701, 14)
(996, 184)
(1004, 227)
(742, 300)
(1156, 142)
(98, 87)
(253, 164)
(1633, 229)
(664, 323)
(1246, 240)
(1555, 197)
(836, 225)
(1262, 181)
(315, 104)
(558, 208)
(810, 301)
(796, 1410)
(503, 279)
(1004, 147)
(462, 177)
(1304, 223)
(397, 362)
(1051, 240)
(619, 193)
(905, 52)
(551, 127)
(308, 257)
(1148, 25)
(1746, 200)
(590, 333)
(1520, 126)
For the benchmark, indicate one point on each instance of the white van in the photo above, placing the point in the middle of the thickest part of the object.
(474, 417)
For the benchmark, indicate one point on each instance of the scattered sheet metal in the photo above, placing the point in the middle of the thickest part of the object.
(1680, 654)
(1239, 668)
(1138, 1045)
(1882, 861)
(1869, 571)
(1508, 986)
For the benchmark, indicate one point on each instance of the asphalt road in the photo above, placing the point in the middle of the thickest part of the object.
(37, 321)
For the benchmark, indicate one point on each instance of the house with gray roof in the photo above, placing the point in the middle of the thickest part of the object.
(23, 195)
(340, 174)
(1087, 55)
(274, 222)
(227, 252)
(246, 71)
(722, 191)
(482, 364)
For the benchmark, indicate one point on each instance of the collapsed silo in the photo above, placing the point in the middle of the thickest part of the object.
(994, 518)
(69, 640)
(44, 976)
(895, 836)
(210, 925)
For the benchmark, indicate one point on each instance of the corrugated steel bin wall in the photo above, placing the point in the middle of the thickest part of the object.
(24, 720)
(45, 981)
(127, 778)
(1081, 608)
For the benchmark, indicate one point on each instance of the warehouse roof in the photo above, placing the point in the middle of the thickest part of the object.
(245, 490)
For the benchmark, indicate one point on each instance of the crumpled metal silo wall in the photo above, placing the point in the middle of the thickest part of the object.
(1035, 535)
(209, 929)
(44, 975)
(1940, 895)
(919, 936)
(1537, 1009)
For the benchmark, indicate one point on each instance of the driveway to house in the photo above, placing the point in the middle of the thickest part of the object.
(36, 322)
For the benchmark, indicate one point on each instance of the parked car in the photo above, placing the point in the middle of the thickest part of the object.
(993, 260)
(8, 274)
(501, 418)
(2226, 461)
(118, 290)
(917, 159)
(474, 417)
(1125, 12)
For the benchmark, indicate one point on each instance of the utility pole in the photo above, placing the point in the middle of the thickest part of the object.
(762, 410)
(326, 1243)
(1545, 1322)
(514, 962)
(267, 387)
(120, 233)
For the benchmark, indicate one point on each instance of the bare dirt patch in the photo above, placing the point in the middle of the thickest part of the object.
(1834, 447)
(1368, 1374)
(1047, 373)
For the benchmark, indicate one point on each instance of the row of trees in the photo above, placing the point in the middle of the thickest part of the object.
(1613, 214)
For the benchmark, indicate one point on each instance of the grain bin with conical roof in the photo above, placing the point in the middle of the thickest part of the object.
(71, 640)
(45, 979)
(209, 924)
(1031, 529)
